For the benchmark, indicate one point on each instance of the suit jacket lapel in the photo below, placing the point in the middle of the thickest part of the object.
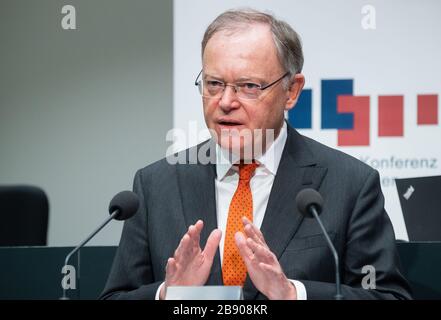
(297, 170)
(196, 183)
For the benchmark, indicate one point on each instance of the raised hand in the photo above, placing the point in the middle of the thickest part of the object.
(262, 265)
(190, 265)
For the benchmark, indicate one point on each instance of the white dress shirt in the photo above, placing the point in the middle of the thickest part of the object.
(227, 179)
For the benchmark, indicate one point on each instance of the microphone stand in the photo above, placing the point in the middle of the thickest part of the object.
(338, 295)
(66, 261)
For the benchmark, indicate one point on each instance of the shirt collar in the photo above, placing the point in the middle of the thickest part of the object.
(269, 160)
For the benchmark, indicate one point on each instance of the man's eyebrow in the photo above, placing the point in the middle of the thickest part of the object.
(253, 79)
(240, 79)
(205, 75)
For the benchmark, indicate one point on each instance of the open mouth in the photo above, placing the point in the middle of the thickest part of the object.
(229, 123)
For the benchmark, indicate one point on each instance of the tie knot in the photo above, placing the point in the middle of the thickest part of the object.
(246, 170)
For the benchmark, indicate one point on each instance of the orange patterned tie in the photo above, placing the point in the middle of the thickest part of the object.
(234, 270)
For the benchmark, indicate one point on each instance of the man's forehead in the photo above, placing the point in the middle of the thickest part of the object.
(243, 33)
(249, 48)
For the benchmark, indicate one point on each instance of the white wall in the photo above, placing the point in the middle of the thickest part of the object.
(81, 110)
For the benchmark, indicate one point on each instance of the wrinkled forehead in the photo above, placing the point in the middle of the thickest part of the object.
(250, 46)
(245, 33)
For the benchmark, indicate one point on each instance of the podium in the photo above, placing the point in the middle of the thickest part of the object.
(35, 272)
(421, 263)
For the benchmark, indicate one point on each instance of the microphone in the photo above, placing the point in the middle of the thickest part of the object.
(309, 202)
(122, 206)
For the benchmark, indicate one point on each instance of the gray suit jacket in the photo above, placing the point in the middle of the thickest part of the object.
(175, 196)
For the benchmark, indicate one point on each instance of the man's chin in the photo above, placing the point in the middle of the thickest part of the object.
(238, 146)
(245, 143)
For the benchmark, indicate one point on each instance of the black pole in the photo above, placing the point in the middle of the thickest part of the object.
(338, 295)
(66, 261)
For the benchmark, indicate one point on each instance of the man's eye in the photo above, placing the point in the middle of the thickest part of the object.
(250, 86)
(214, 83)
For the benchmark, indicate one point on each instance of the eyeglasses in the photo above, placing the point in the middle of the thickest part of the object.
(211, 88)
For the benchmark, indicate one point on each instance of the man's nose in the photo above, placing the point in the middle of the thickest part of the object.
(228, 99)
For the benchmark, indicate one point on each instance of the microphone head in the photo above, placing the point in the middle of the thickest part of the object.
(126, 202)
(307, 198)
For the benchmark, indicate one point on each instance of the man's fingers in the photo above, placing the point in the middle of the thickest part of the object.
(212, 243)
(182, 251)
(194, 236)
(252, 231)
(194, 232)
(199, 225)
(241, 243)
(190, 241)
(178, 250)
(261, 253)
(170, 268)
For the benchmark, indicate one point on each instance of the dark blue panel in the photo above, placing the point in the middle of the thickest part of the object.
(300, 116)
(331, 119)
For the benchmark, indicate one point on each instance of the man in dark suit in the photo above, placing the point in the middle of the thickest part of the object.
(232, 220)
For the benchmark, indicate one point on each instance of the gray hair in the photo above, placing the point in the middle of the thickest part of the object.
(286, 40)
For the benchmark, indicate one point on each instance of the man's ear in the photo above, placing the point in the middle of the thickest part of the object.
(295, 88)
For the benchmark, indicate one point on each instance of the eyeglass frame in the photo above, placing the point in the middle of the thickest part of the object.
(235, 87)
